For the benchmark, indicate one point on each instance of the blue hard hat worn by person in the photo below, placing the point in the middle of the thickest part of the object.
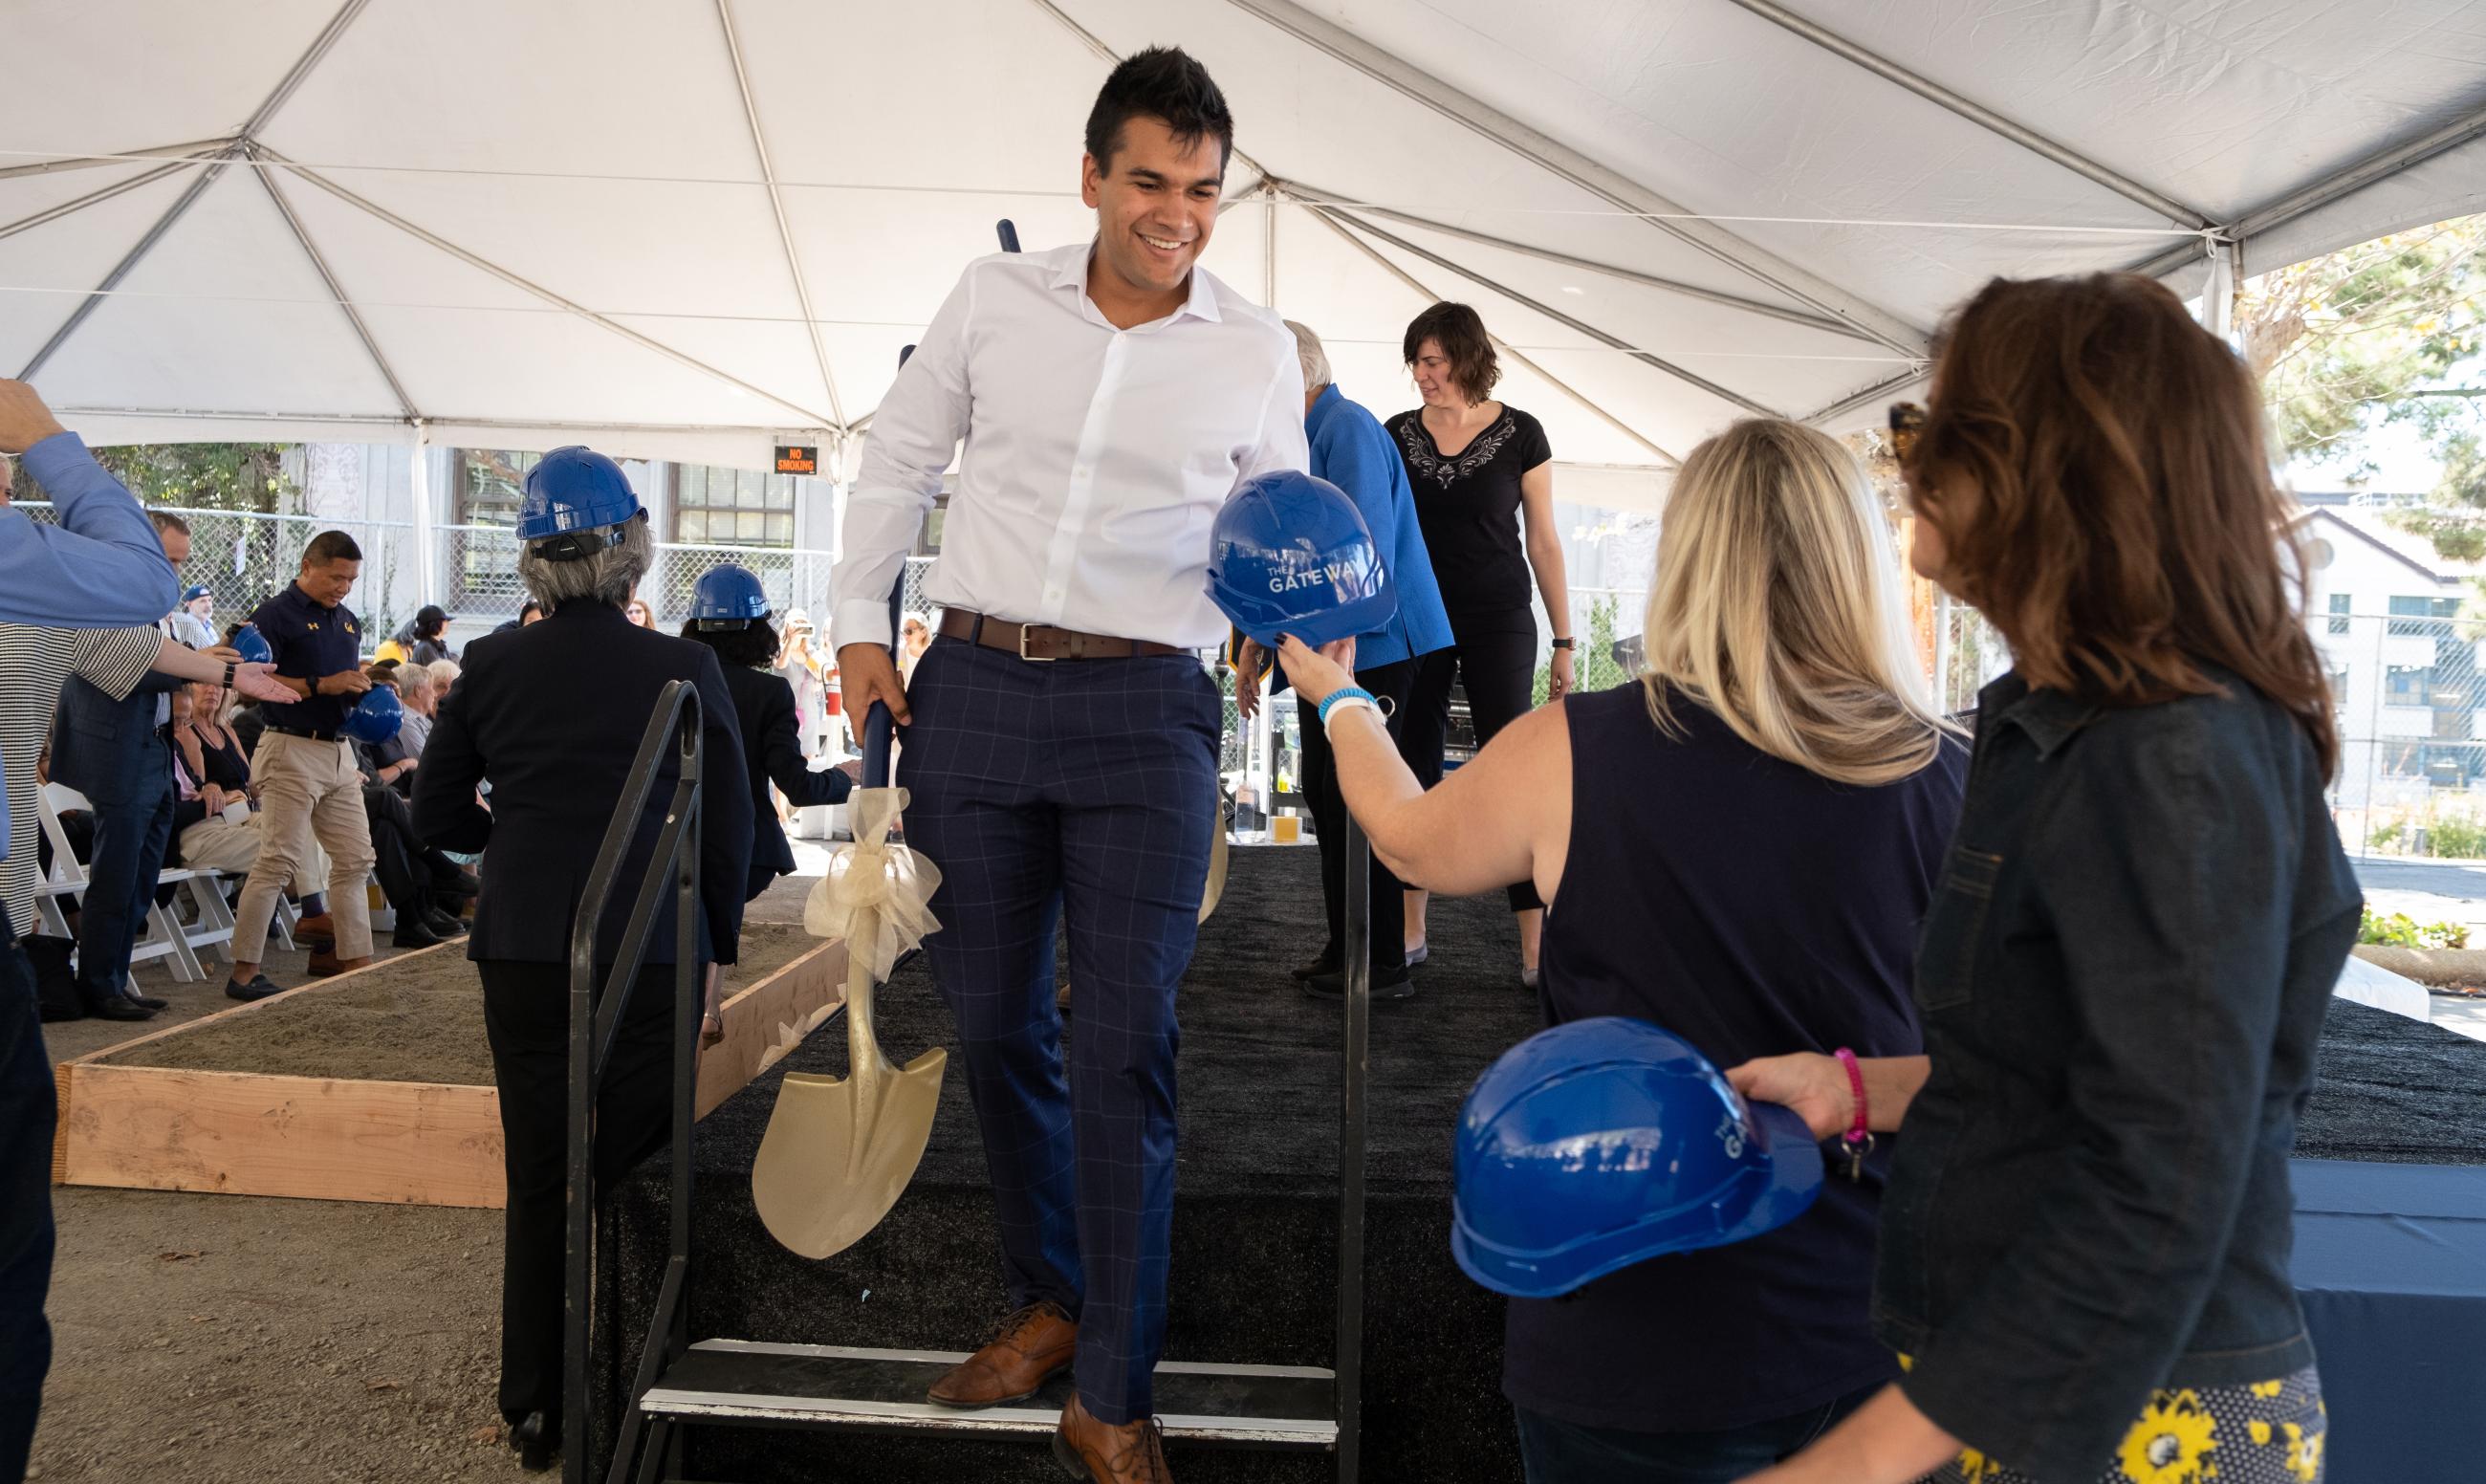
(1606, 1141)
(376, 717)
(728, 597)
(575, 502)
(1291, 554)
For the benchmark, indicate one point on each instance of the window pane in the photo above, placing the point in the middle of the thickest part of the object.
(691, 492)
(781, 492)
(751, 526)
(781, 530)
(746, 490)
(690, 525)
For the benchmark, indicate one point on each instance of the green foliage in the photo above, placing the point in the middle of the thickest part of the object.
(2380, 325)
(204, 476)
(2449, 826)
(1592, 658)
(2399, 930)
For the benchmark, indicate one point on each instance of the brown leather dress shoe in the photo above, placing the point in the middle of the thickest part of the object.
(1101, 1453)
(309, 929)
(325, 964)
(1028, 1348)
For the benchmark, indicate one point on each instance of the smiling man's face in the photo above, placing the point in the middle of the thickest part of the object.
(1156, 205)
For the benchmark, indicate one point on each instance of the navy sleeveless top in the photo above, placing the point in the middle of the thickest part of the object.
(1753, 908)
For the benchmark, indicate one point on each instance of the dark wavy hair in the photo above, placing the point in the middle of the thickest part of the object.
(2096, 466)
(752, 645)
(1165, 84)
(1460, 332)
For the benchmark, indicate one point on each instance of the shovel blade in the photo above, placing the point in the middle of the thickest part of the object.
(839, 1150)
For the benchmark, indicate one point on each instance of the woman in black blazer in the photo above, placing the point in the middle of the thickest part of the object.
(730, 613)
(552, 715)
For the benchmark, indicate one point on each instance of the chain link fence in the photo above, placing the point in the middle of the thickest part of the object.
(2409, 695)
(243, 557)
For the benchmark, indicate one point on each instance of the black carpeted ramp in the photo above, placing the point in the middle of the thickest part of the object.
(1255, 1215)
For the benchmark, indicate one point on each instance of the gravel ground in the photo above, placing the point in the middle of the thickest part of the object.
(226, 1339)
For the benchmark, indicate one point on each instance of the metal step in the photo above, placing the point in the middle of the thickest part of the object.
(752, 1384)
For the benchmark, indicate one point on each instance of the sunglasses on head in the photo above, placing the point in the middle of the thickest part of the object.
(1907, 424)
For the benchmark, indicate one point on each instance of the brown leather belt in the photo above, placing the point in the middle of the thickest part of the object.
(1042, 641)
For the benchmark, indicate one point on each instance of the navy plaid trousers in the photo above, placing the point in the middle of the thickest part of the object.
(1090, 786)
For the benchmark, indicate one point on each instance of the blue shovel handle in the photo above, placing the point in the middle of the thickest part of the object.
(877, 726)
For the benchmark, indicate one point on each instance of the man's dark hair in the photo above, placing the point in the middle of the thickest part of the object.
(1460, 332)
(166, 520)
(528, 607)
(752, 645)
(1165, 84)
(331, 546)
(429, 620)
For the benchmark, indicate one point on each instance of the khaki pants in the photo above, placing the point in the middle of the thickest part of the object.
(309, 792)
(229, 846)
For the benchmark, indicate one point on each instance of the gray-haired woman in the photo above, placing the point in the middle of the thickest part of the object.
(552, 714)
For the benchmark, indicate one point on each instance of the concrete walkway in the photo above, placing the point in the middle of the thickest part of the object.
(2434, 892)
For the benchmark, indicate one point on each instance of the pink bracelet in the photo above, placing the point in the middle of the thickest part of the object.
(1857, 1133)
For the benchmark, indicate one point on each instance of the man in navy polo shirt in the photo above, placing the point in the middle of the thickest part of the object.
(310, 786)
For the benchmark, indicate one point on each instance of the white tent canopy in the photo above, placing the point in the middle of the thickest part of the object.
(673, 228)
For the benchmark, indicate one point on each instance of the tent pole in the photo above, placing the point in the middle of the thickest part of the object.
(336, 290)
(1319, 197)
(810, 418)
(777, 208)
(426, 564)
(1614, 342)
(189, 196)
(1978, 114)
(1869, 395)
(196, 148)
(93, 198)
(1499, 343)
(2279, 211)
(1580, 170)
(1269, 245)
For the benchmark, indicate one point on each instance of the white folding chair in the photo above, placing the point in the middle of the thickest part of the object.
(163, 937)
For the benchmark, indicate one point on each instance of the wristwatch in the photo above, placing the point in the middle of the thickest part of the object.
(1563, 644)
(229, 674)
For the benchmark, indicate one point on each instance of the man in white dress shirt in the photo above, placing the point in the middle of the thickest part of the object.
(1061, 736)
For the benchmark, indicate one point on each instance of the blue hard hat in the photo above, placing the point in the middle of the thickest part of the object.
(727, 596)
(194, 592)
(252, 646)
(1291, 555)
(376, 717)
(1607, 1142)
(575, 489)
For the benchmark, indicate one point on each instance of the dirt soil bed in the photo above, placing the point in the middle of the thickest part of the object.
(415, 1019)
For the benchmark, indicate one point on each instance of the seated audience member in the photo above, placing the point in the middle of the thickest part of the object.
(428, 636)
(1738, 845)
(211, 774)
(2084, 1250)
(444, 674)
(393, 761)
(423, 887)
(528, 613)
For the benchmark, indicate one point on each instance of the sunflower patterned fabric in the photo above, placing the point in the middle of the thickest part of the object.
(2269, 1432)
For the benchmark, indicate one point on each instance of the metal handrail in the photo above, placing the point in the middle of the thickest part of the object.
(594, 1021)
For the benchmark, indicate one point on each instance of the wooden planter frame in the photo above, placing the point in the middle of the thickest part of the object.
(349, 1138)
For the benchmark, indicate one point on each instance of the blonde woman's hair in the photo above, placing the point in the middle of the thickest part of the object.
(1778, 606)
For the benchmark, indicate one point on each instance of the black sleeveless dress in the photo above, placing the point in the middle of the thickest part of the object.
(1753, 908)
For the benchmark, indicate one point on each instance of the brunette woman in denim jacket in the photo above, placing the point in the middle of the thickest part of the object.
(2084, 1247)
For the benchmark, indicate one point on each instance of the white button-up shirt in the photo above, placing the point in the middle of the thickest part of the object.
(1094, 460)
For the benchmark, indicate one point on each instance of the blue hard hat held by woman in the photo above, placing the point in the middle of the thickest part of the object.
(1607, 1142)
(1291, 554)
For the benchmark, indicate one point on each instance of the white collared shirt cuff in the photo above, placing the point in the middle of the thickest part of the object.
(860, 622)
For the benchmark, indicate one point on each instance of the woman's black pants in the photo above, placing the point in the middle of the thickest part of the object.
(1499, 665)
(526, 1017)
(1329, 822)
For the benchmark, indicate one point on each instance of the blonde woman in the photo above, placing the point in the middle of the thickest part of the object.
(1738, 846)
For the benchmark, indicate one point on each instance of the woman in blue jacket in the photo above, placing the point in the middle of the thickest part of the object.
(1351, 449)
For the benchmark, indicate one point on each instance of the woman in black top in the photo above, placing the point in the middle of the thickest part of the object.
(1745, 863)
(1478, 468)
(2084, 1247)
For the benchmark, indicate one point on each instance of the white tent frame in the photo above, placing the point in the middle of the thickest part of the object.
(1825, 305)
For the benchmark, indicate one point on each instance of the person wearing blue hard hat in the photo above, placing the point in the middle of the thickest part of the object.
(1062, 733)
(1351, 450)
(311, 784)
(552, 714)
(730, 613)
(193, 623)
(1736, 845)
